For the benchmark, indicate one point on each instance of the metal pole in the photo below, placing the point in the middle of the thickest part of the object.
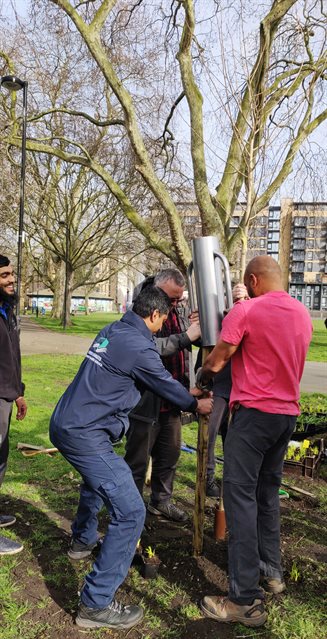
(37, 293)
(21, 203)
(64, 324)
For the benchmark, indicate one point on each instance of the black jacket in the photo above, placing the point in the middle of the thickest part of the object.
(11, 385)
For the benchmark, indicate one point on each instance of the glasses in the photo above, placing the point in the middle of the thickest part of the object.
(176, 300)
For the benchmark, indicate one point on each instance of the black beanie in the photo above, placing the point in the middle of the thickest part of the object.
(4, 261)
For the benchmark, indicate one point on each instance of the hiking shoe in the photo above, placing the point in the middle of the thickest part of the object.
(9, 546)
(7, 520)
(212, 488)
(81, 551)
(222, 609)
(168, 510)
(275, 585)
(115, 616)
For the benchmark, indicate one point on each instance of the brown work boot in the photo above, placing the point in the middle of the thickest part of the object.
(222, 609)
(274, 585)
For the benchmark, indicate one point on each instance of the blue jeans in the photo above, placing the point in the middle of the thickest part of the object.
(253, 461)
(109, 481)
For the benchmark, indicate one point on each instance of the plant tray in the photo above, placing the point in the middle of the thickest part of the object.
(310, 430)
(308, 467)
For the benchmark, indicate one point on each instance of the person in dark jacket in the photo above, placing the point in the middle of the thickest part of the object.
(155, 424)
(11, 386)
(89, 418)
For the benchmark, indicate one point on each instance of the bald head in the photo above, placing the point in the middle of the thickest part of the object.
(262, 275)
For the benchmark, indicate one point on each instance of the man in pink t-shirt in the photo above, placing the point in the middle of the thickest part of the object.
(267, 338)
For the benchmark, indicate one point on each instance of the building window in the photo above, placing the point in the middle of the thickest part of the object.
(262, 243)
(298, 267)
(297, 277)
(274, 214)
(312, 221)
(273, 235)
(309, 266)
(309, 255)
(300, 221)
(298, 255)
(299, 232)
(299, 244)
(310, 244)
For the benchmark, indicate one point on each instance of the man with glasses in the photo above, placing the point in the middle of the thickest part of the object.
(155, 424)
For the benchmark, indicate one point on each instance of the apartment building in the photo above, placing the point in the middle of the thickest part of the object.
(294, 234)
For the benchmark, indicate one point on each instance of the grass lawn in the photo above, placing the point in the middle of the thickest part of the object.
(86, 325)
(318, 347)
(90, 325)
(38, 588)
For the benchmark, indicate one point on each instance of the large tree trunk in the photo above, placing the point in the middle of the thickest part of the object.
(58, 293)
(66, 318)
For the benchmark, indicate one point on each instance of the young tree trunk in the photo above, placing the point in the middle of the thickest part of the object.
(86, 303)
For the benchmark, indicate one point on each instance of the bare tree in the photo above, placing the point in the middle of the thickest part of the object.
(77, 224)
(154, 66)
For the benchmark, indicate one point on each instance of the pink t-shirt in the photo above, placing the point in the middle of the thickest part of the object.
(275, 332)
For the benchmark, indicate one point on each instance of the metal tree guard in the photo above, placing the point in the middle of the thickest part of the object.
(211, 293)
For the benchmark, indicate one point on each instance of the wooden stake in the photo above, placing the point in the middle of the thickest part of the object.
(148, 473)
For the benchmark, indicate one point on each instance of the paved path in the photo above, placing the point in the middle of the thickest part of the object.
(35, 339)
(314, 378)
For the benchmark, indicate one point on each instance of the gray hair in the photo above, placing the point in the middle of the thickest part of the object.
(169, 274)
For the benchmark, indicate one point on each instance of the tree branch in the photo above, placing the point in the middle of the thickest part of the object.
(104, 123)
(194, 98)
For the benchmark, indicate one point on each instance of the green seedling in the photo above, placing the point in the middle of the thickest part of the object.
(150, 553)
(295, 573)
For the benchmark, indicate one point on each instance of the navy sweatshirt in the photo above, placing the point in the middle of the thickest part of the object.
(93, 411)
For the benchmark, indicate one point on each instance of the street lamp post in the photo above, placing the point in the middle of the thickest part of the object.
(11, 83)
(66, 226)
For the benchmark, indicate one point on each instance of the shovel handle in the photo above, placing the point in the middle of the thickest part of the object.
(31, 453)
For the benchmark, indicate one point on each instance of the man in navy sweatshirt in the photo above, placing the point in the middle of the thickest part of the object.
(89, 418)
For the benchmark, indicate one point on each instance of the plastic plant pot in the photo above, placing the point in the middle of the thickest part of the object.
(150, 570)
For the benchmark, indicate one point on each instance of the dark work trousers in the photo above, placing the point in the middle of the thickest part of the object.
(217, 419)
(162, 441)
(253, 461)
(107, 480)
(5, 415)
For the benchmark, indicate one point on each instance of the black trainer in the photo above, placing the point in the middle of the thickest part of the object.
(9, 546)
(115, 616)
(169, 510)
(212, 488)
(81, 551)
(7, 520)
